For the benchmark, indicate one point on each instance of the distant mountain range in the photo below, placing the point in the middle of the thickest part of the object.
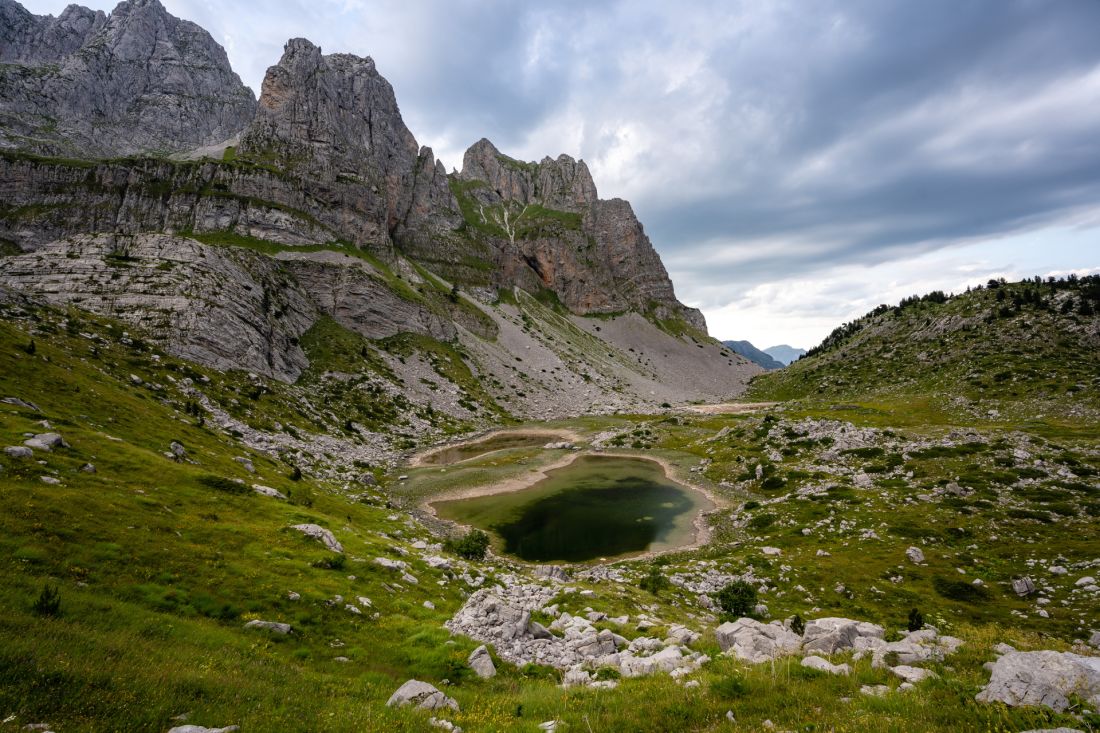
(784, 353)
(755, 355)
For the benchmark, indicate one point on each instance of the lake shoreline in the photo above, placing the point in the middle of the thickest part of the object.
(419, 459)
(701, 533)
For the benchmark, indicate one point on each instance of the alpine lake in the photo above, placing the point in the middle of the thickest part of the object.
(594, 508)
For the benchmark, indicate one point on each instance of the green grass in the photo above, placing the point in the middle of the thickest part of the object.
(160, 563)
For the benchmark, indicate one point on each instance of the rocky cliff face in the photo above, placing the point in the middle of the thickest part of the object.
(323, 207)
(594, 254)
(334, 121)
(225, 307)
(91, 85)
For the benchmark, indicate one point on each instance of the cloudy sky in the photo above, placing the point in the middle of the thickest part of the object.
(794, 163)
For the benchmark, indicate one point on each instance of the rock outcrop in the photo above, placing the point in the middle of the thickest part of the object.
(421, 695)
(169, 287)
(1045, 678)
(224, 307)
(752, 641)
(555, 233)
(137, 80)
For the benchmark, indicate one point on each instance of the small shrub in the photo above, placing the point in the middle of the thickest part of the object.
(960, 590)
(916, 621)
(654, 581)
(333, 562)
(48, 602)
(737, 599)
(296, 474)
(473, 546)
(762, 521)
(729, 688)
(608, 673)
(798, 626)
(220, 483)
(30, 348)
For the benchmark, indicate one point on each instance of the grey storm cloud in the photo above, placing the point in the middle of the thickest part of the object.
(756, 140)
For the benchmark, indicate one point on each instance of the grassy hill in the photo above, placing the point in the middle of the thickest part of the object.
(1029, 348)
(160, 559)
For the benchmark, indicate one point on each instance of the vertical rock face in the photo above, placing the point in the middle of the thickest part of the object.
(91, 85)
(563, 184)
(334, 121)
(38, 39)
(598, 260)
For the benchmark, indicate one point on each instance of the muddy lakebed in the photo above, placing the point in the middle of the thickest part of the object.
(495, 442)
(593, 508)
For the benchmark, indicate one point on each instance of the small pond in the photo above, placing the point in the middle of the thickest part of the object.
(500, 441)
(595, 507)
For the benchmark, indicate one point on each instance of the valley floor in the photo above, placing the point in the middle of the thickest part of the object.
(164, 535)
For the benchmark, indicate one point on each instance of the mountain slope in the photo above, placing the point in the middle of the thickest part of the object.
(137, 80)
(1029, 347)
(327, 209)
(753, 354)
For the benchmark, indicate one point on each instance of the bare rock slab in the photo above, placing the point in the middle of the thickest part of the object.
(1043, 678)
(422, 695)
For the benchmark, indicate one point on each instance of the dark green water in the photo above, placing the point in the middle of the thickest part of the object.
(447, 456)
(596, 507)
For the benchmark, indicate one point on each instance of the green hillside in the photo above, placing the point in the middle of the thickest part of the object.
(1029, 348)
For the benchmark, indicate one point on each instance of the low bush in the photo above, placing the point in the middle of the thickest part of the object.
(737, 599)
(48, 602)
(472, 546)
(960, 590)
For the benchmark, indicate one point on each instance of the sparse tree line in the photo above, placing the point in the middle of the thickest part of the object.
(1012, 298)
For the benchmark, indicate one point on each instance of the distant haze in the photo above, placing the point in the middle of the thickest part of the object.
(795, 164)
(784, 353)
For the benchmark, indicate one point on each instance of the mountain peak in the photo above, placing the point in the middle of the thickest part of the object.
(137, 80)
(563, 183)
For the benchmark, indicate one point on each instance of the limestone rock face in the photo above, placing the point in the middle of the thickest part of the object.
(752, 641)
(564, 184)
(1044, 678)
(138, 80)
(28, 38)
(334, 120)
(554, 232)
(222, 307)
(830, 635)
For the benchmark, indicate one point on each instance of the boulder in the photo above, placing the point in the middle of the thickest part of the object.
(915, 555)
(46, 442)
(553, 572)
(268, 491)
(1023, 586)
(752, 641)
(925, 645)
(422, 695)
(912, 675)
(830, 635)
(481, 663)
(1045, 678)
(317, 532)
(272, 626)
(19, 451)
(203, 729)
(824, 665)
